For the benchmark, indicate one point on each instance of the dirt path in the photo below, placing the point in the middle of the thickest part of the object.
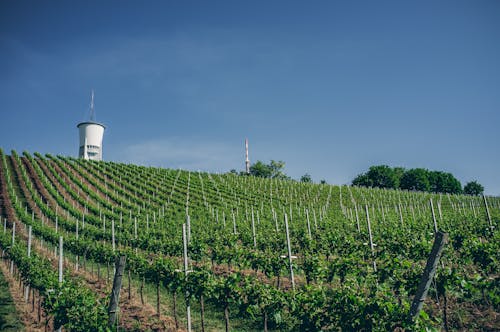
(27, 311)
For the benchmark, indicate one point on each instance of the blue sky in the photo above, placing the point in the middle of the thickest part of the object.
(329, 87)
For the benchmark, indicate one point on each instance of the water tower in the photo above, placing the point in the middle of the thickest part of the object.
(91, 134)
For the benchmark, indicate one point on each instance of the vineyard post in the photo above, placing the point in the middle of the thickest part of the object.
(77, 257)
(487, 210)
(275, 218)
(473, 209)
(115, 292)
(188, 228)
(57, 223)
(4, 225)
(357, 216)
(315, 220)
(60, 259)
(400, 214)
(188, 308)
(308, 223)
(371, 238)
(135, 228)
(13, 241)
(27, 289)
(440, 240)
(434, 217)
(113, 234)
(234, 222)
(289, 252)
(253, 231)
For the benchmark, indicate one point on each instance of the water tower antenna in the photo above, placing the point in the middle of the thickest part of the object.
(92, 112)
(247, 161)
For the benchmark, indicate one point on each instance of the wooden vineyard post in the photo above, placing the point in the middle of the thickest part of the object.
(13, 241)
(289, 252)
(440, 240)
(357, 216)
(434, 217)
(77, 258)
(372, 246)
(487, 211)
(308, 224)
(400, 215)
(188, 307)
(188, 228)
(115, 292)
(135, 228)
(27, 289)
(113, 234)
(275, 218)
(234, 222)
(253, 231)
(61, 259)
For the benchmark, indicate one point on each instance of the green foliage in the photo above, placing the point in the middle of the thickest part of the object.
(76, 308)
(378, 176)
(306, 178)
(9, 319)
(418, 179)
(336, 287)
(415, 179)
(473, 188)
(273, 170)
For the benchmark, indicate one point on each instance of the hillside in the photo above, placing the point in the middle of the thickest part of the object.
(358, 253)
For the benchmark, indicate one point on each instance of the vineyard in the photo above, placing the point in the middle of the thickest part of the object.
(242, 253)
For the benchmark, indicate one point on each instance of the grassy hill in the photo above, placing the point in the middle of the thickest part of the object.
(358, 253)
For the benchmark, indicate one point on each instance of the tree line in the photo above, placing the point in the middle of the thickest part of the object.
(381, 176)
(419, 179)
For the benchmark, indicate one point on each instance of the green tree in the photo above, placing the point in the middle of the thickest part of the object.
(398, 174)
(273, 170)
(306, 178)
(381, 176)
(260, 169)
(473, 188)
(441, 182)
(362, 180)
(416, 179)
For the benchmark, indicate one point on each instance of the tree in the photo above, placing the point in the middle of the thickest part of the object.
(260, 169)
(441, 182)
(381, 176)
(362, 180)
(416, 179)
(473, 188)
(306, 178)
(273, 170)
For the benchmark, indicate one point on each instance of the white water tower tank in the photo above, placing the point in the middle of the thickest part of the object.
(91, 134)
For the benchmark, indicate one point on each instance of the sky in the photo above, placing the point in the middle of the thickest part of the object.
(329, 87)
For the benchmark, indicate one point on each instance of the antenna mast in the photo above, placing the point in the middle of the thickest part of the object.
(92, 112)
(247, 161)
